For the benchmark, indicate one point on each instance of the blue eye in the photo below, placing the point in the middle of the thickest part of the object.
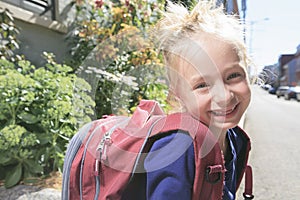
(234, 75)
(202, 85)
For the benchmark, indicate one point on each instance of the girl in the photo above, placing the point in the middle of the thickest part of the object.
(207, 69)
(198, 152)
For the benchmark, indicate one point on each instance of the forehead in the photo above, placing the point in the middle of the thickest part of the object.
(205, 55)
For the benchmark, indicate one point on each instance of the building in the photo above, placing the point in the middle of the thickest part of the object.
(289, 69)
(43, 26)
(282, 63)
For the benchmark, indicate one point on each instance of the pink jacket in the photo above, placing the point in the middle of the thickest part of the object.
(209, 159)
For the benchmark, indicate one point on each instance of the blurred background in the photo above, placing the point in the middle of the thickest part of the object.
(64, 63)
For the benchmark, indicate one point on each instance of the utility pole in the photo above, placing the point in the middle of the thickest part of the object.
(244, 8)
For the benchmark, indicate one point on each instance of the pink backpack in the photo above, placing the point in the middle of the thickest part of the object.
(87, 155)
(103, 156)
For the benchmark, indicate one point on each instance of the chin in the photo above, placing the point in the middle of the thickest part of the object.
(223, 126)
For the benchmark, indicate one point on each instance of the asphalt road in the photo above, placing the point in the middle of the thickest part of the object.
(274, 127)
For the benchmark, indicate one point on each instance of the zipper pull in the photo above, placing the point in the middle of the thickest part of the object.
(107, 142)
(97, 163)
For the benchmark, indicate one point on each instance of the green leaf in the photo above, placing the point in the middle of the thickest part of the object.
(4, 160)
(57, 149)
(13, 176)
(28, 118)
(2, 175)
(33, 166)
(44, 138)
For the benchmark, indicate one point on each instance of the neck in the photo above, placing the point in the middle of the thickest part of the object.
(223, 142)
(221, 135)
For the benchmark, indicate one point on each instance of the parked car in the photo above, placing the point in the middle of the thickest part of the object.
(292, 92)
(281, 90)
(272, 90)
(266, 86)
(298, 97)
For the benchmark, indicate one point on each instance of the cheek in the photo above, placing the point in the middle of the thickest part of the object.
(248, 96)
(184, 92)
(190, 101)
(198, 105)
(246, 90)
(243, 91)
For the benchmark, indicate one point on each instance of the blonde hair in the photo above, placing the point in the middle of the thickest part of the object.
(179, 24)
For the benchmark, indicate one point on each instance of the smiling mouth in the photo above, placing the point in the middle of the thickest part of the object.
(225, 112)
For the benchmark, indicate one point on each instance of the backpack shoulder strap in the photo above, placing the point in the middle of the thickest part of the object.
(71, 152)
(144, 111)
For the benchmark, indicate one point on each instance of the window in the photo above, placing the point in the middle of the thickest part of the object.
(42, 7)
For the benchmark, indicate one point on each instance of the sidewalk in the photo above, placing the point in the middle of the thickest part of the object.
(242, 121)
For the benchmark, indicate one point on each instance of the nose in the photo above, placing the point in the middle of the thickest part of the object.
(221, 94)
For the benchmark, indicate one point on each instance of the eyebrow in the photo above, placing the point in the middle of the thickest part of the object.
(200, 77)
(197, 78)
(235, 65)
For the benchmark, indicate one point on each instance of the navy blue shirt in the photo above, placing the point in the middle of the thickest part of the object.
(170, 167)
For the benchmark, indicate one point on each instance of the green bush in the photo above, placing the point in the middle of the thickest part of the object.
(8, 35)
(110, 47)
(40, 110)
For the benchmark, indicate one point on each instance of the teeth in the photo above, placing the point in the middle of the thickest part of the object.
(222, 113)
(218, 113)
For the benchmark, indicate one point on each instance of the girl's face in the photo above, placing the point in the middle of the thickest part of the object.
(213, 86)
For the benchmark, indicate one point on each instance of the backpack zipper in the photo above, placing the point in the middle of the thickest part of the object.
(106, 141)
(101, 151)
(113, 119)
(97, 179)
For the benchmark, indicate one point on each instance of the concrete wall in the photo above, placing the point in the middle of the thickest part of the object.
(34, 40)
(41, 33)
